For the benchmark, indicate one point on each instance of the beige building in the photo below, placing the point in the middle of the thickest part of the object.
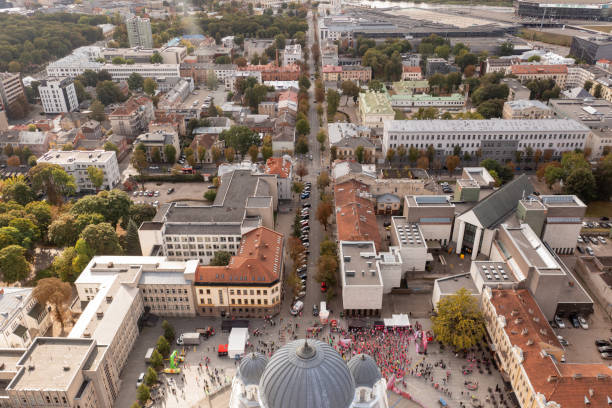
(22, 318)
(374, 109)
(60, 372)
(531, 358)
(526, 109)
(158, 138)
(251, 285)
(133, 117)
(346, 149)
(527, 72)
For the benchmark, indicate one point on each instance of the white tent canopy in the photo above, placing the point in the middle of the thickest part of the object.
(237, 341)
(398, 320)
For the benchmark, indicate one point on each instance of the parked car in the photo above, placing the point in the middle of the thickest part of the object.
(297, 308)
(135, 193)
(594, 240)
(306, 205)
(583, 322)
(606, 356)
(602, 240)
(575, 322)
(140, 380)
(171, 190)
(605, 349)
(323, 287)
(315, 310)
(156, 194)
(559, 322)
(563, 341)
(589, 251)
(304, 196)
(602, 343)
(580, 240)
(580, 249)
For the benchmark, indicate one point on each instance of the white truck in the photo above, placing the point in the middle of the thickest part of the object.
(188, 339)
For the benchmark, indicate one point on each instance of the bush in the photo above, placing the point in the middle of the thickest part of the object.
(170, 178)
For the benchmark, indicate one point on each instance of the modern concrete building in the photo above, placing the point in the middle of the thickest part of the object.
(22, 318)
(526, 109)
(76, 162)
(244, 201)
(11, 90)
(467, 188)
(557, 219)
(139, 32)
(434, 215)
(591, 48)
(58, 95)
(375, 109)
(516, 90)
(474, 230)
(411, 245)
(596, 114)
(251, 285)
(495, 138)
(362, 284)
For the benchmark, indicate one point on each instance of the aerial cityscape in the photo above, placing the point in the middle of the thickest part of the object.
(305, 204)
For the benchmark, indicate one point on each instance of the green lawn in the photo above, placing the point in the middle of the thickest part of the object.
(599, 209)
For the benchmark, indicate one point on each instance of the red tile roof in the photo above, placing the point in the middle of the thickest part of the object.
(271, 67)
(259, 261)
(406, 68)
(131, 105)
(278, 166)
(538, 69)
(355, 214)
(332, 68)
(527, 328)
(288, 95)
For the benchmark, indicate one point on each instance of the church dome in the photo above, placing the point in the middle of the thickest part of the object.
(364, 370)
(251, 368)
(306, 374)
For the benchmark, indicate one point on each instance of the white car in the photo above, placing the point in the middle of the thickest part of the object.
(559, 322)
(580, 240)
(602, 239)
(583, 322)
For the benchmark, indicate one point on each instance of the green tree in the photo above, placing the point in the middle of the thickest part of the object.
(63, 231)
(221, 258)
(156, 155)
(139, 213)
(240, 138)
(17, 189)
(323, 180)
(302, 127)
(327, 270)
(552, 175)
(459, 322)
(111, 147)
(150, 377)
(359, 153)
(588, 85)
(135, 81)
(98, 239)
(297, 187)
(156, 58)
(304, 82)
(301, 146)
(41, 211)
(603, 177)
(210, 195)
(506, 48)
(96, 175)
(597, 91)
(321, 137)
(581, 182)
(253, 153)
(157, 361)
(149, 86)
(324, 211)
(143, 394)
(97, 111)
(108, 92)
(266, 152)
(63, 265)
(451, 163)
(163, 346)
(333, 100)
(170, 153)
(139, 161)
(53, 181)
(190, 156)
(13, 264)
(132, 246)
(168, 329)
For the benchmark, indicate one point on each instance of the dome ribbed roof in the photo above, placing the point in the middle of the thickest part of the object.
(364, 370)
(306, 375)
(251, 368)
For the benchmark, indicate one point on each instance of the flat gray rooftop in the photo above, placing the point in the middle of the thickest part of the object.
(561, 201)
(532, 204)
(211, 228)
(359, 270)
(495, 272)
(408, 234)
(537, 255)
(489, 125)
(429, 201)
(452, 284)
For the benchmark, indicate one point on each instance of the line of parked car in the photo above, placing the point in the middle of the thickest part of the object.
(589, 239)
(605, 348)
(302, 261)
(576, 320)
(602, 223)
(306, 192)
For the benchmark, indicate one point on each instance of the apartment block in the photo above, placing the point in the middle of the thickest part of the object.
(282, 168)
(495, 138)
(76, 162)
(156, 139)
(375, 109)
(132, 117)
(272, 72)
(139, 32)
(11, 89)
(58, 95)
(22, 318)
(244, 201)
(527, 72)
(251, 285)
(292, 54)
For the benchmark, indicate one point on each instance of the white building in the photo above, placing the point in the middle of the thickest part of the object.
(410, 241)
(73, 66)
(158, 137)
(22, 318)
(292, 54)
(340, 130)
(434, 215)
(362, 284)
(76, 162)
(282, 167)
(58, 95)
(139, 32)
(494, 138)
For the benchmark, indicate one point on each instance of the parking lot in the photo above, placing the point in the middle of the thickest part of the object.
(182, 192)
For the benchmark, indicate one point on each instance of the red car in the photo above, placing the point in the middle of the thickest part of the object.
(323, 287)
